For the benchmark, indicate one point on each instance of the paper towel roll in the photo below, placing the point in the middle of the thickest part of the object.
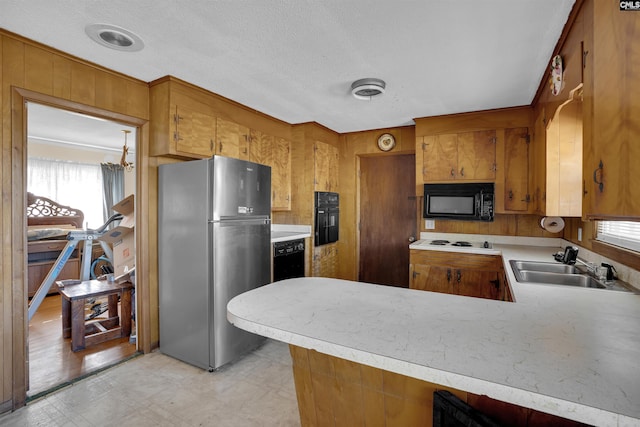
(553, 224)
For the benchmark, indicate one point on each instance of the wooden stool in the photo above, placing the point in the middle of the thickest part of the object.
(74, 297)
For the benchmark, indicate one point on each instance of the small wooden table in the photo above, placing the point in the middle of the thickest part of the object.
(84, 334)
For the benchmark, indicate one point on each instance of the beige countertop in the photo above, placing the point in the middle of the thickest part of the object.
(562, 350)
(286, 232)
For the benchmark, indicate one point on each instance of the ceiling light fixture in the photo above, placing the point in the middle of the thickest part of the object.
(114, 37)
(366, 89)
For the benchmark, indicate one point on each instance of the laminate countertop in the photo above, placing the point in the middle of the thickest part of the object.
(286, 232)
(571, 352)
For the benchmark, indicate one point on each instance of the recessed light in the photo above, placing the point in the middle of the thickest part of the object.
(366, 89)
(114, 37)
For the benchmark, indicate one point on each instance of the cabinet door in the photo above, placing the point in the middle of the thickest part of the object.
(232, 139)
(539, 162)
(325, 261)
(281, 175)
(479, 284)
(477, 155)
(440, 157)
(612, 87)
(326, 167)
(516, 170)
(261, 149)
(194, 131)
(432, 278)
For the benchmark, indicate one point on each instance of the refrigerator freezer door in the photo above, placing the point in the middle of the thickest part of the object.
(242, 261)
(240, 188)
(183, 256)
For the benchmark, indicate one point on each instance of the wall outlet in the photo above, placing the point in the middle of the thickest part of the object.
(579, 234)
(430, 224)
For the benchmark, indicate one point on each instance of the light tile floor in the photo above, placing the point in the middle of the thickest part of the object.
(157, 390)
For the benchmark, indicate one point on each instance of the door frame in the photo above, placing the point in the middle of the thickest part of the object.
(20, 321)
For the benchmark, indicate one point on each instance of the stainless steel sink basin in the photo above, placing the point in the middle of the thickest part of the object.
(579, 280)
(548, 267)
(562, 274)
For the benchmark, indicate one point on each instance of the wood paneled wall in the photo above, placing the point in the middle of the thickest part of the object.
(33, 72)
(504, 225)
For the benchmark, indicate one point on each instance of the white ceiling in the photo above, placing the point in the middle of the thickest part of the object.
(296, 60)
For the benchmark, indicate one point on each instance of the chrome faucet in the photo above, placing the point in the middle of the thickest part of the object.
(591, 266)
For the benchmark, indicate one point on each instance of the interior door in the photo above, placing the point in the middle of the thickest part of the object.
(387, 218)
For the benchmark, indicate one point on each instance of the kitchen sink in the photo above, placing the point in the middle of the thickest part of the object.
(547, 267)
(563, 275)
(580, 280)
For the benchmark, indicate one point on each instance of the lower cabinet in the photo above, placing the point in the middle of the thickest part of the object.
(472, 275)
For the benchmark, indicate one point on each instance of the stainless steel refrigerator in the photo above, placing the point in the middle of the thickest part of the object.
(214, 239)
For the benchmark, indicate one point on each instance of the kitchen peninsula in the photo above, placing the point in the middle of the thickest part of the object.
(563, 351)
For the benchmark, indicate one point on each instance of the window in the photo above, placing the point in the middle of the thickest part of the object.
(77, 185)
(620, 233)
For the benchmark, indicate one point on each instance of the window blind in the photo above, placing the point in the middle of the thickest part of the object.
(620, 233)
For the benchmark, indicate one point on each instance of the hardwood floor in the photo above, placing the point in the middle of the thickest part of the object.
(52, 363)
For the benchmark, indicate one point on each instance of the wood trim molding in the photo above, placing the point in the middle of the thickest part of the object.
(624, 256)
(19, 98)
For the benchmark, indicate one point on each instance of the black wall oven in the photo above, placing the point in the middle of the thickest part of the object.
(472, 201)
(327, 217)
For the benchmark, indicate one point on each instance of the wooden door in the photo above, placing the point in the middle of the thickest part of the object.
(516, 169)
(477, 155)
(387, 218)
(440, 157)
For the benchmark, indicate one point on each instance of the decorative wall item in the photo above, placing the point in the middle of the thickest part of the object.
(556, 82)
(386, 142)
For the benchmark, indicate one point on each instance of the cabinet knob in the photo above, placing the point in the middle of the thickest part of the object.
(458, 276)
(448, 275)
(453, 172)
(510, 194)
(461, 171)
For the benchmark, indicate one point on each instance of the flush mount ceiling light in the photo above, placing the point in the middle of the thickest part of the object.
(114, 37)
(366, 89)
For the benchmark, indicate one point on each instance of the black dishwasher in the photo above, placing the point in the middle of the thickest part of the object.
(288, 259)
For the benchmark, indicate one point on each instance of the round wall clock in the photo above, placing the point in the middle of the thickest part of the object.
(386, 142)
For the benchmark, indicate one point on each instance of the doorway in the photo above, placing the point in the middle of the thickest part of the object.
(387, 218)
(62, 143)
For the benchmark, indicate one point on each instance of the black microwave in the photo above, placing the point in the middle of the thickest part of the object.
(470, 201)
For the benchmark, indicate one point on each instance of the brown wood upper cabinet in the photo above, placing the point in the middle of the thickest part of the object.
(326, 164)
(459, 156)
(232, 139)
(474, 275)
(275, 152)
(181, 125)
(516, 171)
(611, 109)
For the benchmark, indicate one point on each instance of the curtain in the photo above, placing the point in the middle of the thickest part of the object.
(73, 184)
(112, 188)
